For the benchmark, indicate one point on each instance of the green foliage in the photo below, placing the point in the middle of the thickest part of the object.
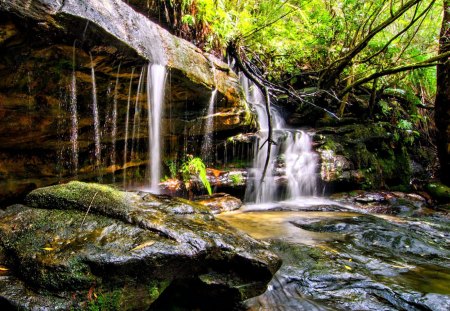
(237, 179)
(173, 167)
(195, 166)
(105, 302)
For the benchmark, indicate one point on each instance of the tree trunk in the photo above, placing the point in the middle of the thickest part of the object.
(442, 104)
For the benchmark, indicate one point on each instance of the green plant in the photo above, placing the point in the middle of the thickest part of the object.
(195, 166)
(237, 179)
(105, 302)
(172, 165)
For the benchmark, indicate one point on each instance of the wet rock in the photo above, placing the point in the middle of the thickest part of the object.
(77, 239)
(385, 202)
(366, 156)
(439, 191)
(378, 265)
(220, 202)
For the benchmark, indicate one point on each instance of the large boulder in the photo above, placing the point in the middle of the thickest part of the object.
(77, 245)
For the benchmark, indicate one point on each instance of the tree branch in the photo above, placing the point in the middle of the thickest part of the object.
(427, 63)
(335, 69)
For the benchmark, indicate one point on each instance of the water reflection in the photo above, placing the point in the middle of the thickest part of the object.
(280, 224)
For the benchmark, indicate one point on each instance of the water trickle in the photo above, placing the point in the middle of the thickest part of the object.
(114, 123)
(207, 145)
(127, 122)
(291, 148)
(137, 118)
(74, 118)
(97, 149)
(156, 81)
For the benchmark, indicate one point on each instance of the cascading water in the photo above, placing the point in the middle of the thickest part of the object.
(127, 121)
(156, 80)
(294, 146)
(206, 153)
(114, 123)
(301, 165)
(137, 117)
(74, 118)
(97, 150)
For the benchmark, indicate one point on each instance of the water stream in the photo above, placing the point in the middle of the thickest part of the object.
(97, 143)
(114, 123)
(74, 117)
(291, 152)
(127, 123)
(156, 80)
(137, 118)
(207, 145)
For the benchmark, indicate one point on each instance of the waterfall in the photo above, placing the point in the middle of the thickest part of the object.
(208, 131)
(114, 123)
(292, 147)
(127, 121)
(97, 150)
(156, 79)
(301, 164)
(259, 189)
(74, 117)
(137, 118)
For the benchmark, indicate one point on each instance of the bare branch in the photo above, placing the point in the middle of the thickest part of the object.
(433, 61)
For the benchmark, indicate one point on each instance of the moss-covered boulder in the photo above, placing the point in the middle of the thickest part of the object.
(82, 244)
(366, 156)
(439, 191)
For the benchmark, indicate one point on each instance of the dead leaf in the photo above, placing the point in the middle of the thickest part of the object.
(145, 244)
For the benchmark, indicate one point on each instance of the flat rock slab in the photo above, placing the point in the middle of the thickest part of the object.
(75, 240)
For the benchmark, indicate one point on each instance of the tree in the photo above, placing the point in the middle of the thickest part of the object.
(442, 103)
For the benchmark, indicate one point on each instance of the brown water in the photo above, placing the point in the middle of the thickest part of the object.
(278, 224)
(351, 261)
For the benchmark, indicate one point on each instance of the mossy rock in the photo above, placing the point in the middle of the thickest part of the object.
(439, 191)
(80, 238)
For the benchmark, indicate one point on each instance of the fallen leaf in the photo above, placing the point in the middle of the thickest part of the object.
(48, 249)
(3, 268)
(145, 244)
(348, 268)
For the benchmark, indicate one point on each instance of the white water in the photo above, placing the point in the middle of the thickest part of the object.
(156, 80)
(292, 149)
(74, 118)
(301, 164)
(127, 121)
(206, 152)
(97, 150)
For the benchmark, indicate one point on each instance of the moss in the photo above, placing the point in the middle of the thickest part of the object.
(155, 288)
(439, 192)
(106, 302)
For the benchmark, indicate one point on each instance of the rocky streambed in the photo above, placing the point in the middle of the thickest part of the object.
(361, 251)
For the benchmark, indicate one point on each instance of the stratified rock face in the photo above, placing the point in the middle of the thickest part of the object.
(44, 44)
(76, 240)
